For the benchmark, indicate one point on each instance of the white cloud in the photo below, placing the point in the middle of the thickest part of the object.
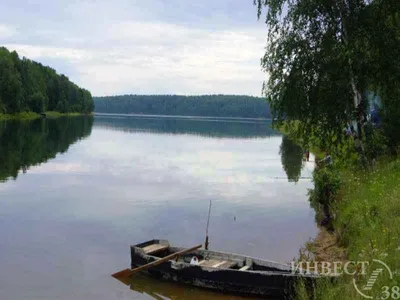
(37, 52)
(6, 31)
(121, 55)
(59, 167)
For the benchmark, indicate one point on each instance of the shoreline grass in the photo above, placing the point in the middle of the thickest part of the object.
(366, 222)
(26, 116)
(367, 225)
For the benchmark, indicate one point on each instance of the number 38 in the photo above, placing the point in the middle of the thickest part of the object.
(390, 293)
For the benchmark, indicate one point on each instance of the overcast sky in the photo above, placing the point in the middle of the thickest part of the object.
(142, 46)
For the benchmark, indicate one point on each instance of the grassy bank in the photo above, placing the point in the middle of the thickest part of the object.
(364, 206)
(31, 115)
(367, 227)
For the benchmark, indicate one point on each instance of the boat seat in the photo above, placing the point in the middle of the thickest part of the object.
(248, 263)
(215, 263)
(154, 248)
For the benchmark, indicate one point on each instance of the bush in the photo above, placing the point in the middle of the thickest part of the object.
(375, 142)
(327, 184)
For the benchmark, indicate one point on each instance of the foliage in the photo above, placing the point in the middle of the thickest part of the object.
(292, 159)
(28, 86)
(205, 105)
(382, 34)
(327, 183)
(323, 55)
(375, 143)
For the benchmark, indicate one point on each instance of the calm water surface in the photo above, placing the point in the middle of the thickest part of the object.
(76, 192)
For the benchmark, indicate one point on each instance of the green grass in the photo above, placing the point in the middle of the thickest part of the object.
(368, 225)
(366, 213)
(56, 114)
(20, 116)
(31, 115)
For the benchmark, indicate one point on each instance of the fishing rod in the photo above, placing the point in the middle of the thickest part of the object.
(208, 223)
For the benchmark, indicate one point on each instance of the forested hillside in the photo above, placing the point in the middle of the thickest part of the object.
(205, 105)
(26, 85)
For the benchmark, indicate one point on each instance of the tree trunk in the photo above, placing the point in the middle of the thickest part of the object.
(345, 9)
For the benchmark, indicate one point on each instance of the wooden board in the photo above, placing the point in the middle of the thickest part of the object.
(154, 248)
(209, 263)
(215, 263)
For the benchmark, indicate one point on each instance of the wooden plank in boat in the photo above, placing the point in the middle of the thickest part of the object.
(215, 263)
(244, 268)
(219, 264)
(209, 262)
(154, 248)
(227, 265)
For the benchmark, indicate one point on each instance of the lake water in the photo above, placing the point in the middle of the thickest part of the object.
(76, 192)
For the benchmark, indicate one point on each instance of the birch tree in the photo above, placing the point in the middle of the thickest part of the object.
(321, 57)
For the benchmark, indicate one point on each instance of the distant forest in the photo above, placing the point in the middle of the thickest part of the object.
(28, 86)
(205, 105)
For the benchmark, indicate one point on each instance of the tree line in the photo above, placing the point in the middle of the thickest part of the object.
(28, 86)
(205, 105)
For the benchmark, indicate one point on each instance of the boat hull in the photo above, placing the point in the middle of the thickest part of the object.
(253, 284)
(277, 281)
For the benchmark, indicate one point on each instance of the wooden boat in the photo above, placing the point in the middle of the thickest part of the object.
(226, 272)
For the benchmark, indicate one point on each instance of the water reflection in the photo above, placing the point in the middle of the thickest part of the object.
(68, 225)
(162, 290)
(292, 159)
(211, 127)
(25, 144)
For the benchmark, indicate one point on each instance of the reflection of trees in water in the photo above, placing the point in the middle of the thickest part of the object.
(24, 144)
(197, 126)
(292, 159)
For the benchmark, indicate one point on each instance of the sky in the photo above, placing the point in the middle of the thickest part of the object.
(142, 46)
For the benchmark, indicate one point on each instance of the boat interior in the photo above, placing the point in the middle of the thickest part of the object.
(210, 259)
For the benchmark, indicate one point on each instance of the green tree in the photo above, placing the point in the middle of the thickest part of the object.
(11, 91)
(62, 104)
(37, 102)
(322, 56)
(26, 85)
(2, 108)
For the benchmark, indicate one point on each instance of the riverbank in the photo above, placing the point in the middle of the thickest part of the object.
(366, 225)
(364, 220)
(32, 115)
